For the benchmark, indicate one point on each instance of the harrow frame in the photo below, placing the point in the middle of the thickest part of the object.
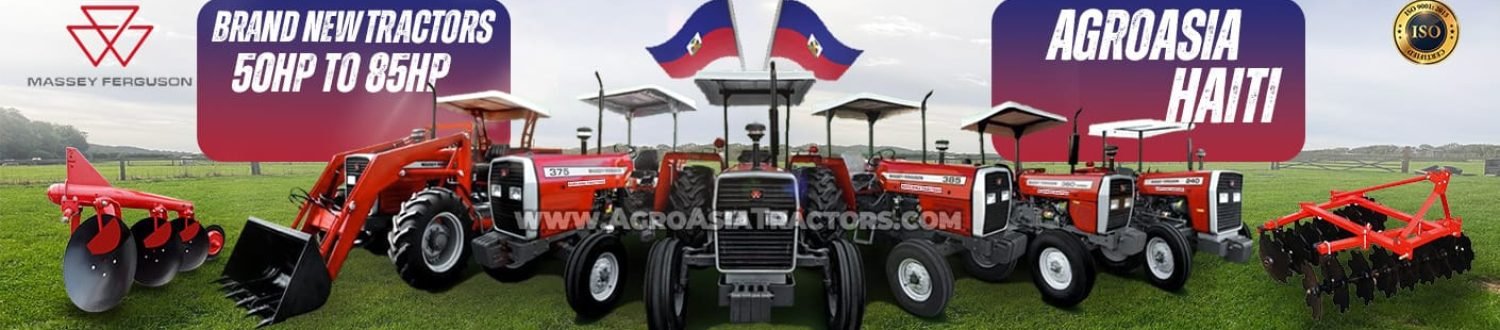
(1402, 241)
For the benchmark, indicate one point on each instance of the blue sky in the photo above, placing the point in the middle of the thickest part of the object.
(1360, 90)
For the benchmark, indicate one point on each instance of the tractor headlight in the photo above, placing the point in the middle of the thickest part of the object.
(1114, 204)
(1223, 198)
(1236, 197)
(351, 180)
(1127, 203)
(776, 219)
(515, 193)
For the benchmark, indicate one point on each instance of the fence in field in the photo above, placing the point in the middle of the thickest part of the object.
(48, 171)
(1394, 164)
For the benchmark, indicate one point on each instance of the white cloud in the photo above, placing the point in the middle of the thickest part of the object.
(900, 26)
(879, 61)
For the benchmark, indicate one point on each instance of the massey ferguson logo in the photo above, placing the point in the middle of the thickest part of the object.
(110, 34)
(755, 194)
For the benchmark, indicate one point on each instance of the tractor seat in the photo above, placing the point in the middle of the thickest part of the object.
(745, 156)
(646, 163)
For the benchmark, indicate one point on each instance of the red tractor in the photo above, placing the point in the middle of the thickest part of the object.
(103, 256)
(1202, 204)
(993, 216)
(749, 224)
(455, 199)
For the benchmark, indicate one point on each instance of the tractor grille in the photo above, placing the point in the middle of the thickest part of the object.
(354, 166)
(757, 245)
(507, 195)
(1119, 188)
(997, 210)
(1228, 210)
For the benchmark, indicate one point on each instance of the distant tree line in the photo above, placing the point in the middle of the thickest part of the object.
(22, 138)
(1447, 152)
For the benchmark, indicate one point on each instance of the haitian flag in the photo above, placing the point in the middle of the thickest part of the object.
(802, 38)
(708, 35)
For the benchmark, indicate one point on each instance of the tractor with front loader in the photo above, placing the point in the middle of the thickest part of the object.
(749, 222)
(1204, 205)
(998, 216)
(103, 256)
(456, 199)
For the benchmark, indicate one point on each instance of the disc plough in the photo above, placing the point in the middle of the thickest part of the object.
(104, 255)
(1345, 245)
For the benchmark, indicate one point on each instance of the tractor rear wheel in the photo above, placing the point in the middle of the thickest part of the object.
(920, 278)
(666, 286)
(1063, 272)
(593, 274)
(824, 203)
(986, 270)
(844, 284)
(1169, 260)
(430, 241)
(692, 192)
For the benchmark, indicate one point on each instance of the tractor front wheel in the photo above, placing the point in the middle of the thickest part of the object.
(919, 277)
(666, 286)
(1063, 272)
(1169, 260)
(593, 273)
(430, 241)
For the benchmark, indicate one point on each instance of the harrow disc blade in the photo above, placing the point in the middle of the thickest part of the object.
(158, 252)
(97, 282)
(1441, 249)
(1387, 276)
(1422, 258)
(1310, 288)
(194, 243)
(1409, 276)
(1296, 243)
(1274, 259)
(1333, 274)
(1466, 252)
(1362, 276)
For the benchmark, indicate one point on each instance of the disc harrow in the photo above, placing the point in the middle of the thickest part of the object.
(1345, 245)
(104, 255)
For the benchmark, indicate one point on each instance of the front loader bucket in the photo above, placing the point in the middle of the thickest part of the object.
(275, 273)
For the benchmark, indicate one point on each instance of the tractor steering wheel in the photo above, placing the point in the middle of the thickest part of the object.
(881, 155)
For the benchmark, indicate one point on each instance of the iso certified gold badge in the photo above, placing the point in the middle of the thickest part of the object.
(1426, 31)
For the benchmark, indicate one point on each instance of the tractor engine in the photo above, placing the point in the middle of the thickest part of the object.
(1207, 201)
(1095, 204)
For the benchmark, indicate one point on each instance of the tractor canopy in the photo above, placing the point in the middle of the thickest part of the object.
(642, 101)
(495, 106)
(1136, 128)
(1012, 119)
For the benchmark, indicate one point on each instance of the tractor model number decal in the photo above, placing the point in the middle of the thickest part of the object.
(1060, 184)
(1186, 181)
(921, 188)
(928, 178)
(1171, 189)
(563, 172)
(593, 182)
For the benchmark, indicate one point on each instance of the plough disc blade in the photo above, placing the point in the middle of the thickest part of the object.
(1466, 252)
(1274, 259)
(194, 243)
(158, 252)
(276, 272)
(98, 282)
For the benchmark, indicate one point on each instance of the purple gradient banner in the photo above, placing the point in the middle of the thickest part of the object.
(1233, 68)
(283, 80)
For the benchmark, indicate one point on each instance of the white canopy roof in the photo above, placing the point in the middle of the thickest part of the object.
(1010, 117)
(861, 106)
(1136, 128)
(753, 87)
(642, 101)
(492, 105)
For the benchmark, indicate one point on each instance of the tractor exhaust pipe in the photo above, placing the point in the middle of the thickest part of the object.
(277, 274)
(599, 124)
(1073, 144)
(924, 126)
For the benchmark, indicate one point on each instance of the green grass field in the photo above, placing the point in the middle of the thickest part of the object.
(369, 294)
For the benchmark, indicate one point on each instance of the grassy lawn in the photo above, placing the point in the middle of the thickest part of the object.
(368, 294)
